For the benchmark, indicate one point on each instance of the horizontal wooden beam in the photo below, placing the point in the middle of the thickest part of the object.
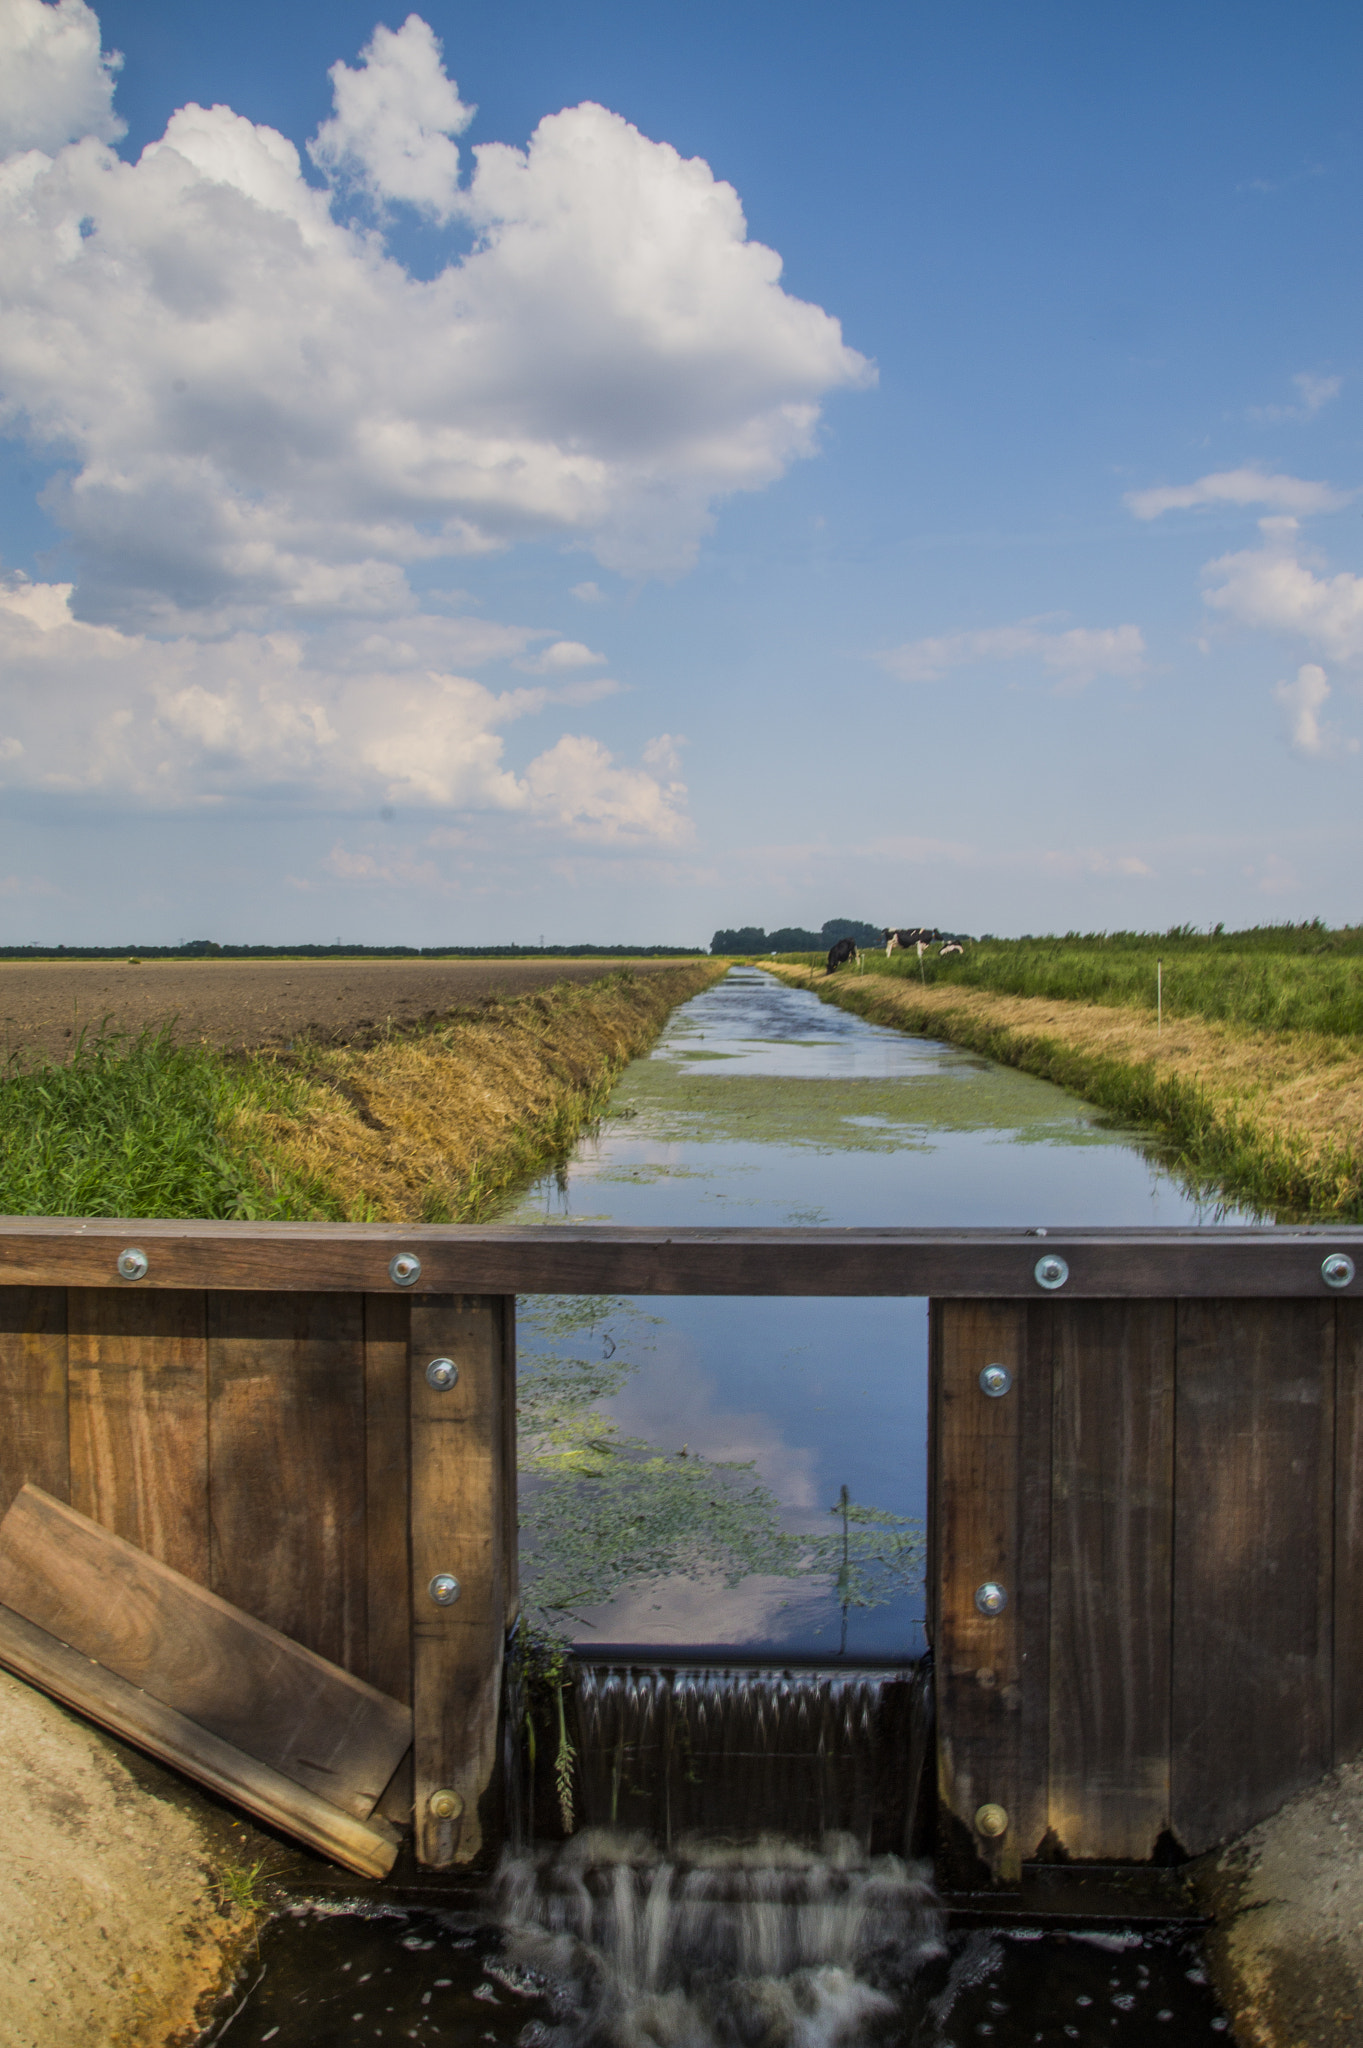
(56, 1251)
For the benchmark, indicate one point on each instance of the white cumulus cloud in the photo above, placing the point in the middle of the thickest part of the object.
(267, 417)
(55, 83)
(176, 724)
(1302, 700)
(1270, 588)
(1247, 486)
(390, 133)
(1075, 656)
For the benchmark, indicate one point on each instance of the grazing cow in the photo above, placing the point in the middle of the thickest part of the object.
(951, 946)
(919, 937)
(839, 952)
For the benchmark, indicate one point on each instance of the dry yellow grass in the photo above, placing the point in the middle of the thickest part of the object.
(435, 1125)
(1274, 1117)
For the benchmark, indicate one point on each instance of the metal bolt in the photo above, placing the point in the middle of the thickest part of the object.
(1051, 1271)
(991, 1598)
(444, 1589)
(405, 1269)
(1337, 1270)
(445, 1804)
(995, 1380)
(132, 1265)
(991, 1820)
(441, 1374)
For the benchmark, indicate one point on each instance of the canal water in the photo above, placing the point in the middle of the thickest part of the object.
(722, 1505)
(761, 1105)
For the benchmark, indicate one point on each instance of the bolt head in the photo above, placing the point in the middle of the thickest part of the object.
(995, 1381)
(405, 1269)
(444, 1589)
(991, 1597)
(442, 1374)
(1051, 1272)
(445, 1804)
(991, 1820)
(132, 1264)
(1337, 1270)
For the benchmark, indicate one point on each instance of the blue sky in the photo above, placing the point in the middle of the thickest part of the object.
(403, 542)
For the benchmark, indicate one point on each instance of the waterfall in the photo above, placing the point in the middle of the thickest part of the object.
(671, 1749)
(740, 1874)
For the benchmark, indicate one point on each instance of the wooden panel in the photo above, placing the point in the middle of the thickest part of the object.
(458, 1526)
(978, 1664)
(138, 1379)
(1348, 1701)
(317, 1725)
(1112, 1525)
(1253, 1527)
(388, 1570)
(354, 1258)
(287, 1444)
(511, 1521)
(366, 1846)
(33, 1437)
(1034, 1395)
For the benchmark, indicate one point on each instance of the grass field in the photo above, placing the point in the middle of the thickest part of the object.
(433, 1123)
(1252, 1079)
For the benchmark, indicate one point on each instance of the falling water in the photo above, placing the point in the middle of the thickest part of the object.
(735, 1751)
(766, 1942)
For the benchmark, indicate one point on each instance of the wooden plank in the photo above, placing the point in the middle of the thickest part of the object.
(1348, 1675)
(978, 1664)
(354, 1258)
(1112, 1526)
(138, 1379)
(388, 1571)
(317, 1725)
(33, 1429)
(368, 1847)
(287, 1444)
(511, 1523)
(458, 1527)
(1253, 1528)
(1035, 1398)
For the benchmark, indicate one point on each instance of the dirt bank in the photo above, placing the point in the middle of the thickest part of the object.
(1287, 1950)
(244, 1004)
(1273, 1118)
(436, 1125)
(113, 1930)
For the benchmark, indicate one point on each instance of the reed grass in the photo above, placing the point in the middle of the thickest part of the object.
(435, 1124)
(1272, 1120)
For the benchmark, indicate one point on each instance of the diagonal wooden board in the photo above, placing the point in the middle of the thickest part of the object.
(231, 1675)
(368, 1846)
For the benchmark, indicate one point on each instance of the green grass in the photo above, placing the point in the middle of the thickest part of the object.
(1302, 977)
(130, 1127)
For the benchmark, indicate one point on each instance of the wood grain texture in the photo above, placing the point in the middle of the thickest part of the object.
(353, 1258)
(1112, 1526)
(33, 1422)
(1253, 1564)
(315, 1724)
(287, 1444)
(369, 1847)
(458, 1526)
(1034, 1395)
(978, 1658)
(388, 1464)
(511, 1522)
(137, 1369)
(1348, 1674)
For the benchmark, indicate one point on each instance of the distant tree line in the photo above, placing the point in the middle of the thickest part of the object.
(791, 938)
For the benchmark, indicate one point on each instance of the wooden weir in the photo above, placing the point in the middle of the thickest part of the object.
(1167, 1493)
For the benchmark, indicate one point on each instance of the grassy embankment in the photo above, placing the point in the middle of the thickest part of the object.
(1254, 1081)
(431, 1124)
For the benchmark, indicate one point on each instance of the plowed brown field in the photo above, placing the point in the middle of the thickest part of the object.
(247, 1003)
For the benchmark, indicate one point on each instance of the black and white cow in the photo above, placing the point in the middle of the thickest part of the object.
(841, 951)
(951, 946)
(919, 937)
